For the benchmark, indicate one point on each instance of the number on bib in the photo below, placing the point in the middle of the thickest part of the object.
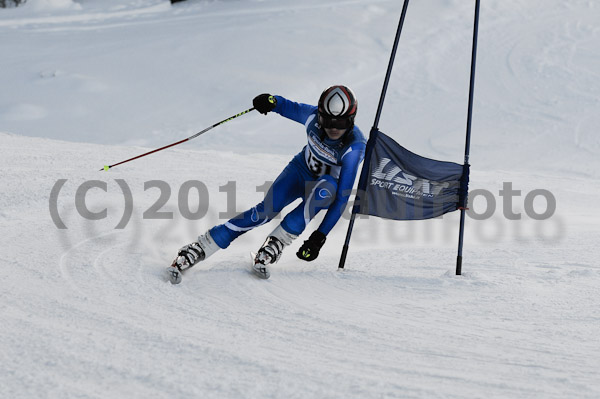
(316, 166)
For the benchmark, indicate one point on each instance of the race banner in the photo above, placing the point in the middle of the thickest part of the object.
(402, 185)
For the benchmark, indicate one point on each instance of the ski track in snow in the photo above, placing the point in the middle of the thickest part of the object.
(86, 311)
(372, 316)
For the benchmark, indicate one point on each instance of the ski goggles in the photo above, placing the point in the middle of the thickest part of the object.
(329, 122)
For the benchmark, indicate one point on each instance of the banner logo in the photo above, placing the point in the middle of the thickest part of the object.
(392, 178)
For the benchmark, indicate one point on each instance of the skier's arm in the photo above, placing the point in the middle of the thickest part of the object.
(292, 110)
(350, 162)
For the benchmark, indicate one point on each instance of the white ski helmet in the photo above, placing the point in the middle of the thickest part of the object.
(337, 108)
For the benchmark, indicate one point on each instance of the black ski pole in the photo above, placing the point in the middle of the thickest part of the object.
(107, 167)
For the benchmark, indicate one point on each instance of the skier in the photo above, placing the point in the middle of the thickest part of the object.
(322, 174)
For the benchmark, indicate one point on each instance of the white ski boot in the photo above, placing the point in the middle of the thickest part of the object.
(189, 255)
(270, 251)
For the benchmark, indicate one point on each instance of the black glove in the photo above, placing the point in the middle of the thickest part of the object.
(264, 103)
(311, 247)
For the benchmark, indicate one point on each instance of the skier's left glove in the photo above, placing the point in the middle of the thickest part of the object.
(264, 103)
(311, 247)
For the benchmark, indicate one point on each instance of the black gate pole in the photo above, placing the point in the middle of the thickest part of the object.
(468, 139)
(362, 182)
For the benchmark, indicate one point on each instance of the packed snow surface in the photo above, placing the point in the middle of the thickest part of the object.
(85, 311)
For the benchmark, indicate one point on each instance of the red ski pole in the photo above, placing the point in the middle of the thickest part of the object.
(107, 167)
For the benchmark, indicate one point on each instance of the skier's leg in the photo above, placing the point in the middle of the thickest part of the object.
(285, 189)
(318, 196)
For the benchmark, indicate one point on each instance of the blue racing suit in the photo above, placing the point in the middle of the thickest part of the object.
(322, 174)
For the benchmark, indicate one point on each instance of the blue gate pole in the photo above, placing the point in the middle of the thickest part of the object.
(362, 182)
(468, 139)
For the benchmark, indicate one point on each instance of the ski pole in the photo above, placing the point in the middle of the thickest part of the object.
(107, 167)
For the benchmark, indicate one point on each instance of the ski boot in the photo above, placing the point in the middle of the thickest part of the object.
(189, 255)
(270, 251)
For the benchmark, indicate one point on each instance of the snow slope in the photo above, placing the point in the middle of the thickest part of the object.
(85, 311)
